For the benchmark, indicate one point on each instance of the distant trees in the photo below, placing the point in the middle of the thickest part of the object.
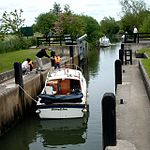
(134, 13)
(64, 21)
(108, 26)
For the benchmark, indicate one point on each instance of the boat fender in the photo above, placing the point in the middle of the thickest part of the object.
(38, 111)
(84, 110)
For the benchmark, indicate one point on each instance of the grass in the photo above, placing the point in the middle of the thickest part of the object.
(145, 62)
(144, 50)
(8, 59)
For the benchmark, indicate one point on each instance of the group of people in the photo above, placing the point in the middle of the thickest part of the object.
(27, 65)
(55, 58)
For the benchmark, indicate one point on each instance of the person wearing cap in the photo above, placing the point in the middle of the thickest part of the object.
(39, 56)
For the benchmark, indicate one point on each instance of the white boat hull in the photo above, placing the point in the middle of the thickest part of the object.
(60, 113)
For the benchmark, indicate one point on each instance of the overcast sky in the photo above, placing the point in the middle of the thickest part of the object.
(97, 9)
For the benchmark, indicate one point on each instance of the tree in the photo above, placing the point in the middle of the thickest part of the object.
(67, 9)
(56, 8)
(108, 26)
(134, 12)
(44, 22)
(145, 27)
(12, 22)
(91, 28)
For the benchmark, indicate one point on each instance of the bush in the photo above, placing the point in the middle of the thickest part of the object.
(16, 43)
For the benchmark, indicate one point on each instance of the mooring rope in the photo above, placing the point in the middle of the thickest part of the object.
(27, 94)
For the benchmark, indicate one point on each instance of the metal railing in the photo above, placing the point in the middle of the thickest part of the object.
(56, 40)
(137, 38)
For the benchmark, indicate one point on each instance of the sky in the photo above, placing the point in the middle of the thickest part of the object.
(98, 9)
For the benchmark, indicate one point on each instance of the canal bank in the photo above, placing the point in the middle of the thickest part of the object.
(132, 110)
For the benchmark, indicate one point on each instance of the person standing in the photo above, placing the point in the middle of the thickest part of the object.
(53, 57)
(135, 31)
(39, 56)
(57, 61)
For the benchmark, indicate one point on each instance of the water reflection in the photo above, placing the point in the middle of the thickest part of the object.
(63, 132)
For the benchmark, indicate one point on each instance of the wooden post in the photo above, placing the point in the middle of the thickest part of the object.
(109, 120)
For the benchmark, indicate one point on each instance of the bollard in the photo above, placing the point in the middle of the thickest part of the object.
(118, 72)
(122, 46)
(18, 73)
(19, 80)
(121, 53)
(71, 53)
(109, 120)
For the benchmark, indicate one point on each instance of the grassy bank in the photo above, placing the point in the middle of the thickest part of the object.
(145, 62)
(8, 59)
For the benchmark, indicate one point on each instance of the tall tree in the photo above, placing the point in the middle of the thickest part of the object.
(134, 13)
(57, 8)
(12, 22)
(109, 26)
(44, 22)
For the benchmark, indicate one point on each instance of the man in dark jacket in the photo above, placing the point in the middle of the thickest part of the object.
(39, 56)
(53, 57)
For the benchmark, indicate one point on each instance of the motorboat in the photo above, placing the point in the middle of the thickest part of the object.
(64, 94)
(104, 41)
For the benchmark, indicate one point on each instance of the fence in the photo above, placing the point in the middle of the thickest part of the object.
(137, 38)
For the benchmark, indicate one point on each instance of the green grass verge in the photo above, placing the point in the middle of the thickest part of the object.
(146, 64)
(144, 50)
(8, 59)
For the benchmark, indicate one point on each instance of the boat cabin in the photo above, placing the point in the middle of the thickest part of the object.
(62, 86)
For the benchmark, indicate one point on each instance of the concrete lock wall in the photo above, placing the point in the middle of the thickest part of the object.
(13, 105)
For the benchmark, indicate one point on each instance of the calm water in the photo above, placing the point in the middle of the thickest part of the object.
(75, 134)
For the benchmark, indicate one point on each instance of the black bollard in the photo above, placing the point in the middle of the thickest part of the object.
(19, 80)
(121, 53)
(109, 120)
(122, 46)
(118, 72)
(71, 53)
(18, 73)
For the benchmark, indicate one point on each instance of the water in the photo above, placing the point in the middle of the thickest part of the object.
(73, 134)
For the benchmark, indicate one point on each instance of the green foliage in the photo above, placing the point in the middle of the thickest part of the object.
(11, 22)
(108, 26)
(134, 12)
(61, 22)
(56, 8)
(132, 6)
(91, 28)
(15, 43)
(146, 64)
(8, 59)
(145, 27)
(144, 50)
(44, 22)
